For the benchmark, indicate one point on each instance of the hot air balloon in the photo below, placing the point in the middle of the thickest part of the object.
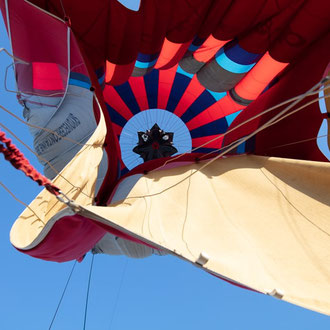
(186, 128)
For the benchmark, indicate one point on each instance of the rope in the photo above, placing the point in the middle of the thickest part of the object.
(45, 160)
(18, 160)
(63, 293)
(118, 293)
(19, 201)
(300, 141)
(88, 287)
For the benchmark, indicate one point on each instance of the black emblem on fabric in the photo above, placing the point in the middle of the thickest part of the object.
(155, 143)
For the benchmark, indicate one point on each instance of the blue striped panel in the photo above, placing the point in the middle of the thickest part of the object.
(203, 101)
(127, 95)
(230, 65)
(230, 118)
(218, 126)
(79, 83)
(193, 47)
(145, 65)
(180, 70)
(241, 148)
(196, 43)
(101, 79)
(151, 85)
(179, 86)
(239, 55)
(115, 116)
(205, 150)
(147, 57)
(124, 171)
(217, 95)
(78, 79)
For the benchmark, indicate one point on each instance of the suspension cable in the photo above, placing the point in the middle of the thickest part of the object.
(88, 289)
(63, 293)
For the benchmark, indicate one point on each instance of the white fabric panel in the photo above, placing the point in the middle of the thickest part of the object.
(74, 119)
(114, 245)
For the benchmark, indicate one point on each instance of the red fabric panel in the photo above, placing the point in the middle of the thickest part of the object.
(70, 238)
(213, 17)
(171, 53)
(311, 21)
(204, 142)
(166, 78)
(87, 21)
(208, 49)
(32, 47)
(124, 27)
(47, 76)
(192, 92)
(114, 100)
(117, 129)
(222, 108)
(244, 12)
(253, 84)
(28, 40)
(117, 74)
(186, 19)
(139, 91)
(262, 36)
(156, 15)
(303, 125)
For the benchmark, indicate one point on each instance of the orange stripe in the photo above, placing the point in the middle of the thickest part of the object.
(252, 85)
(117, 74)
(171, 54)
(208, 49)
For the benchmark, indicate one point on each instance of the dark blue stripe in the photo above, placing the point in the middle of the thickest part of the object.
(99, 72)
(79, 76)
(126, 94)
(124, 171)
(213, 128)
(147, 57)
(115, 116)
(198, 41)
(179, 86)
(238, 55)
(204, 101)
(205, 150)
(151, 85)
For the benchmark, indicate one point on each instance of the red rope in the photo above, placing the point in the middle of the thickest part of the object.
(18, 160)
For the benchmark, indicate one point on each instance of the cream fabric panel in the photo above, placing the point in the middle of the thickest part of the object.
(263, 222)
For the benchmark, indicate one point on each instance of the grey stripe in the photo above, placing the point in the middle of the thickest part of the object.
(215, 78)
(190, 64)
(238, 99)
(138, 72)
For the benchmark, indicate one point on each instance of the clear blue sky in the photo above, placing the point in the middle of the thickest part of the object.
(156, 293)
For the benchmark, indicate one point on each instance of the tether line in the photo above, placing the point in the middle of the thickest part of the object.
(63, 293)
(88, 288)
